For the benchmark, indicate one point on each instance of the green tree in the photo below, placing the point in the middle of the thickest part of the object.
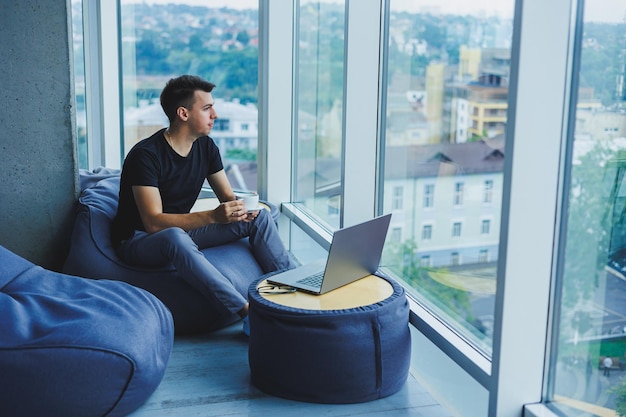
(589, 224)
(235, 73)
(620, 398)
(241, 154)
(401, 258)
(604, 53)
(150, 57)
(243, 37)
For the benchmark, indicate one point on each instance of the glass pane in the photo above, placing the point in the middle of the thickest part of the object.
(320, 60)
(161, 40)
(79, 82)
(303, 247)
(446, 113)
(592, 319)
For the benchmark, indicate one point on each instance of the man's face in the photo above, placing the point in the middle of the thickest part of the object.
(202, 115)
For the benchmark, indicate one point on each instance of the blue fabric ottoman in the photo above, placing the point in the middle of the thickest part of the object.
(91, 255)
(76, 347)
(345, 355)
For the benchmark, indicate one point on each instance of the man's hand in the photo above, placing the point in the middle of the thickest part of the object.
(251, 215)
(230, 212)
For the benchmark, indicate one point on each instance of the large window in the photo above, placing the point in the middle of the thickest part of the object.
(591, 324)
(447, 77)
(441, 162)
(218, 43)
(319, 107)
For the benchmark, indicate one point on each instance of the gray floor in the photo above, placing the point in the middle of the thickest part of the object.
(208, 375)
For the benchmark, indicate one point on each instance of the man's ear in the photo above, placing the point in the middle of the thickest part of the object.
(183, 113)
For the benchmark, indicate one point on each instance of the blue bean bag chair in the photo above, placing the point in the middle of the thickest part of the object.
(76, 347)
(91, 255)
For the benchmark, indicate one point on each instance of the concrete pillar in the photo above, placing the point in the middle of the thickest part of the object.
(38, 166)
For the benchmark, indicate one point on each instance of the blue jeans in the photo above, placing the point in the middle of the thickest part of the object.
(182, 249)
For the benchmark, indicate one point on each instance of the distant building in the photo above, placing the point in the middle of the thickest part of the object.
(487, 104)
(600, 124)
(419, 180)
(448, 231)
(406, 122)
(235, 128)
(469, 63)
(478, 95)
(435, 80)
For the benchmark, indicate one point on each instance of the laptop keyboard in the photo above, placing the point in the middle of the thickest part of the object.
(314, 280)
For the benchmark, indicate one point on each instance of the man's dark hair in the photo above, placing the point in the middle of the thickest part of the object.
(180, 91)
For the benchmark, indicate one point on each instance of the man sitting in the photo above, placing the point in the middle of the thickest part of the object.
(161, 179)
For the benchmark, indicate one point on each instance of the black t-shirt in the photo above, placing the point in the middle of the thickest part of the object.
(154, 163)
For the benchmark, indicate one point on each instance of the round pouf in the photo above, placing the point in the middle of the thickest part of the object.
(329, 356)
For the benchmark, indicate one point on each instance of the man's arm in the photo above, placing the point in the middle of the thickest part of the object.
(150, 207)
(221, 186)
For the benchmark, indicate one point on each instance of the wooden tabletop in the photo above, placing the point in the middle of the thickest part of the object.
(366, 291)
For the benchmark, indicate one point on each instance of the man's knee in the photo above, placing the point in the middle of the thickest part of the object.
(264, 217)
(176, 236)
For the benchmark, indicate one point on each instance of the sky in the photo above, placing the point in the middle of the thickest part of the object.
(597, 10)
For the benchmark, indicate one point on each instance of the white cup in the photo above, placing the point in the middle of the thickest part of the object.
(250, 201)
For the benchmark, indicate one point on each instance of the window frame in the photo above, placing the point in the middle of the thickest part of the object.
(457, 229)
(427, 231)
(397, 198)
(485, 227)
(540, 67)
(428, 199)
(488, 191)
(102, 84)
(459, 193)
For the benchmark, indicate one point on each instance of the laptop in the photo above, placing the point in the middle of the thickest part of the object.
(354, 253)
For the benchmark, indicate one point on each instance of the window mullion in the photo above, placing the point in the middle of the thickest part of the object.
(102, 83)
(275, 98)
(538, 70)
(361, 112)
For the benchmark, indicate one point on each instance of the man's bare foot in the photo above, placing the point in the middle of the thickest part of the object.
(244, 311)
